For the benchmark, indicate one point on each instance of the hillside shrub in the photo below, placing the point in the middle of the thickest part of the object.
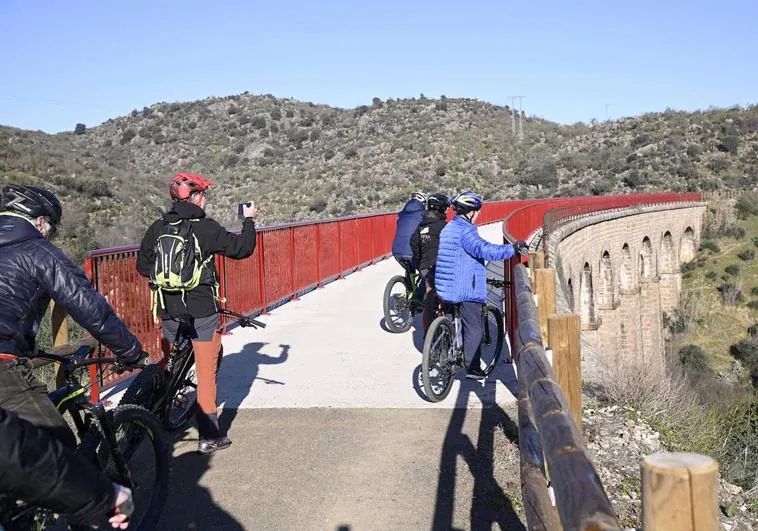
(746, 205)
(746, 255)
(710, 245)
(693, 359)
(732, 269)
(730, 293)
(711, 275)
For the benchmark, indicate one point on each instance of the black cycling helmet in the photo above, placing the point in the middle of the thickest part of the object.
(438, 202)
(31, 201)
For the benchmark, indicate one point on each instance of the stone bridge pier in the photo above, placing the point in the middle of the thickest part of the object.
(621, 271)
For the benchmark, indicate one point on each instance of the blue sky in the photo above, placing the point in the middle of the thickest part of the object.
(86, 61)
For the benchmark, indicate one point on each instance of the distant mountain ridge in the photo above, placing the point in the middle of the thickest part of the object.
(304, 161)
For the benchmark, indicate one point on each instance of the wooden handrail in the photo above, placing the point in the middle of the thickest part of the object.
(580, 498)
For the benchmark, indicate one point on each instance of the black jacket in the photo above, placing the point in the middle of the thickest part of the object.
(40, 470)
(213, 239)
(32, 271)
(426, 239)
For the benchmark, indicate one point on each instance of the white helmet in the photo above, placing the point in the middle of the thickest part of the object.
(419, 196)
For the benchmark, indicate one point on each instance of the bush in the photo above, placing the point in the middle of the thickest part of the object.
(230, 160)
(753, 305)
(745, 350)
(290, 113)
(693, 359)
(746, 255)
(730, 294)
(276, 114)
(746, 205)
(755, 241)
(440, 170)
(351, 153)
(729, 144)
(318, 205)
(274, 128)
(752, 330)
(329, 154)
(258, 122)
(80, 129)
(710, 245)
(711, 275)
(732, 269)
(127, 136)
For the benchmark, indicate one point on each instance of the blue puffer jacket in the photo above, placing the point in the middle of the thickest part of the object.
(461, 274)
(407, 222)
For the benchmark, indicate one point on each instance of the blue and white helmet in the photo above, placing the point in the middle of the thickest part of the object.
(466, 202)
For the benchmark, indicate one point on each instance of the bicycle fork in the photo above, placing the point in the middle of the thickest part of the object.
(125, 476)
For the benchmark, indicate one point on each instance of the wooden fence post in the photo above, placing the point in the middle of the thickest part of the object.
(536, 261)
(545, 279)
(564, 338)
(59, 327)
(680, 492)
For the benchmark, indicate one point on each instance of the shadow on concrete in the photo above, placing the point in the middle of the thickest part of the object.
(190, 505)
(490, 505)
(237, 375)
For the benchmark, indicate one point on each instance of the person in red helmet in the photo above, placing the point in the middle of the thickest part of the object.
(197, 296)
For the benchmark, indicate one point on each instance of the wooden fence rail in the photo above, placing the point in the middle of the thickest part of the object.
(580, 498)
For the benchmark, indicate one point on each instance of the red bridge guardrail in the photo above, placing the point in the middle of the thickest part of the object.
(288, 261)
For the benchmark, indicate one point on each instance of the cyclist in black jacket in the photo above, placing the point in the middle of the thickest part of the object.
(34, 271)
(189, 193)
(424, 243)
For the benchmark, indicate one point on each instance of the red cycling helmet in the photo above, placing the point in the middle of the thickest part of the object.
(185, 184)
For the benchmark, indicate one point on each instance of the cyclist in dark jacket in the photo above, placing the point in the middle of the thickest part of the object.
(34, 271)
(408, 220)
(40, 470)
(189, 193)
(424, 243)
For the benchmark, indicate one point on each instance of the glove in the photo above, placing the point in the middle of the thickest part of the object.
(138, 360)
(521, 248)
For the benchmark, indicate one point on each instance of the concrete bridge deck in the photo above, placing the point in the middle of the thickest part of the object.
(331, 430)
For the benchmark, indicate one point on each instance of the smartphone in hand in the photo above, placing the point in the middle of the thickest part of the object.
(241, 210)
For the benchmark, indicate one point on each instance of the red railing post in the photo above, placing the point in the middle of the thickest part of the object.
(262, 274)
(93, 369)
(357, 247)
(339, 249)
(292, 263)
(318, 257)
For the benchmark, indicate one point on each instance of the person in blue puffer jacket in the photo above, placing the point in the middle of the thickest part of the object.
(460, 277)
(408, 220)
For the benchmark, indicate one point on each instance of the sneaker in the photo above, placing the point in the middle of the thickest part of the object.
(208, 446)
(475, 373)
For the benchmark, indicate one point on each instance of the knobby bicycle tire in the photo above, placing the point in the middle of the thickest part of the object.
(391, 325)
(436, 346)
(140, 421)
(496, 338)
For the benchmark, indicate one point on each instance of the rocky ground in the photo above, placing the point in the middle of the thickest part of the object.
(618, 439)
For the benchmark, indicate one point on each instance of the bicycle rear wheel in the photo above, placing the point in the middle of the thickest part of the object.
(398, 314)
(143, 445)
(492, 342)
(437, 367)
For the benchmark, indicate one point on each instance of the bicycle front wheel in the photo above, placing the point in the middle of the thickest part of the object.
(398, 315)
(142, 445)
(492, 342)
(437, 365)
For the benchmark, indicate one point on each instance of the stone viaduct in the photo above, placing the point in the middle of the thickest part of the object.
(620, 271)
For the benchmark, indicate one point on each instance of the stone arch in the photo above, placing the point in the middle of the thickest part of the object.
(586, 296)
(605, 282)
(570, 294)
(687, 248)
(647, 269)
(626, 278)
(667, 257)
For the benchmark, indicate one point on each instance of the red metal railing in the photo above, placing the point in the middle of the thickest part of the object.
(288, 261)
(549, 213)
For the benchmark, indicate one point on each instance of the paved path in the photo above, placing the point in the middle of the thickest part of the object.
(332, 431)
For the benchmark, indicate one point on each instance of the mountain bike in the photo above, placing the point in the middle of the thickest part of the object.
(169, 388)
(443, 347)
(127, 443)
(401, 303)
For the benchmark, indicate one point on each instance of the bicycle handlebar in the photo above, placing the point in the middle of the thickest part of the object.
(496, 283)
(243, 321)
